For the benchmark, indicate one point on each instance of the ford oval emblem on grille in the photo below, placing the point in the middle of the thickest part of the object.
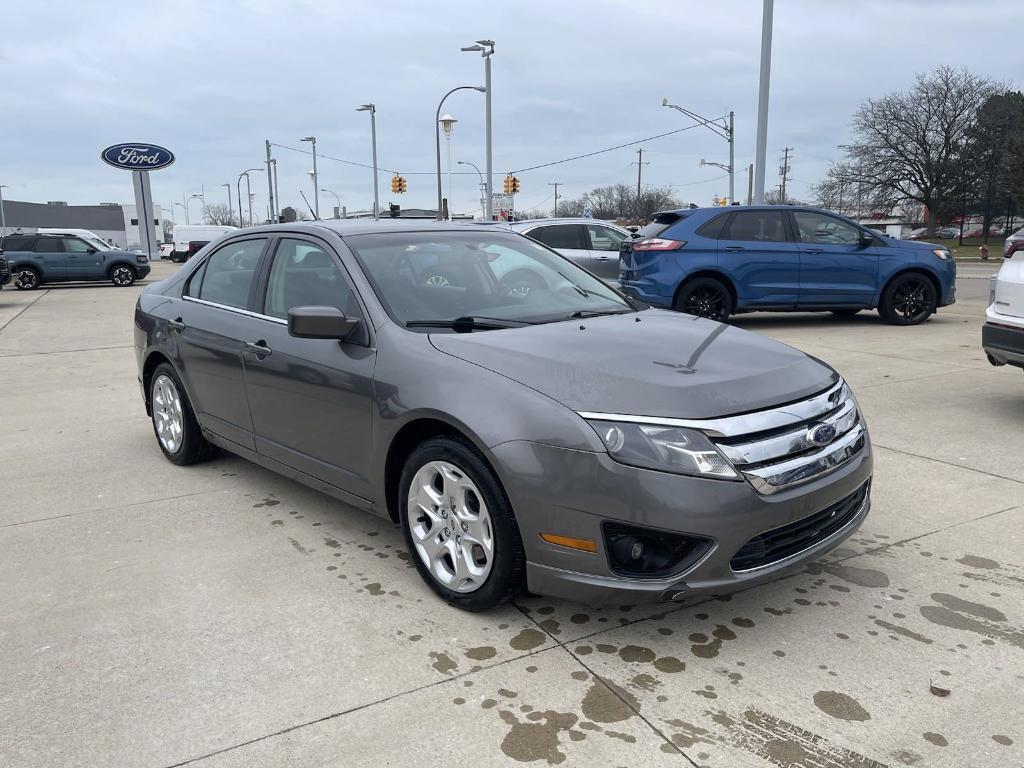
(821, 434)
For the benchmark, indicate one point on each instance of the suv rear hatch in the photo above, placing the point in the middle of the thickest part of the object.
(1009, 298)
(632, 263)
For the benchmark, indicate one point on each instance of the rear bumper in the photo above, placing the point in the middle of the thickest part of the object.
(644, 293)
(1003, 344)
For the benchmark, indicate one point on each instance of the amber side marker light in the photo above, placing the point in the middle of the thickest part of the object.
(584, 545)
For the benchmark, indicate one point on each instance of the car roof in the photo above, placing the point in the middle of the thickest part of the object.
(530, 223)
(346, 227)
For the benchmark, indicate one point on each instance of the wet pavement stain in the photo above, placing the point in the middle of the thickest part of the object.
(277, 522)
(1006, 741)
(645, 682)
(528, 639)
(785, 744)
(482, 653)
(579, 618)
(840, 706)
(536, 740)
(955, 603)
(443, 663)
(298, 546)
(973, 561)
(605, 702)
(936, 738)
(903, 632)
(862, 577)
(906, 757)
(960, 614)
(669, 664)
(636, 653)
(374, 589)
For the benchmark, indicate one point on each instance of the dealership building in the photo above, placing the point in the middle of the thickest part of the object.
(110, 221)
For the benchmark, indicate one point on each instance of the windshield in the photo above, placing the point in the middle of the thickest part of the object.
(444, 276)
(95, 242)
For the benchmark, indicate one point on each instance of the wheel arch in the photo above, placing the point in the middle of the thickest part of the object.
(122, 263)
(916, 270)
(713, 274)
(154, 359)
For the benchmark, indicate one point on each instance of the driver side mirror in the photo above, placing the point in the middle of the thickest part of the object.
(90, 250)
(866, 239)
(320, 323)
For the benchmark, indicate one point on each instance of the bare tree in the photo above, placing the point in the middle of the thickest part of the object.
(913, 144)
(998, 129)
(533, 213)
(218, 213)
(569, 207)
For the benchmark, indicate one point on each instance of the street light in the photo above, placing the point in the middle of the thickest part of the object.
(277, 197)
(486, 50)
(3, 218)
(316, 187)
(336, 197)
(723, 126)
(372, 109)
(483, 207)
(182, 205)
(437, 136)
(448, 125)
(238, 189)
(231, 211)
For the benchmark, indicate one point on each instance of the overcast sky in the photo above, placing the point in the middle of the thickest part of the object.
(212, 80)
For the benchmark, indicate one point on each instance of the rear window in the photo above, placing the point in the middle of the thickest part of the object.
(16, 243)
(660, 223)
(713, 229)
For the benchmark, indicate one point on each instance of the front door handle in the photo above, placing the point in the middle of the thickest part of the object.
(176, 325)
(814, 250)
(602, 258)
(735, 248)
(259, 348)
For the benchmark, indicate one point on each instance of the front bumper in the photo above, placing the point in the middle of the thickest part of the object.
(1003, 344)
(571, 493)
(143, 270)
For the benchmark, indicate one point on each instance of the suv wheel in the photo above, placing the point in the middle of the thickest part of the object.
(122, 276)
(908, 300)
(174, 423)
(26, 278)
(459, 526)
(705, 297)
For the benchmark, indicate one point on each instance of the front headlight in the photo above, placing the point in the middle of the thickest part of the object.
(668, 449)
(942, 253)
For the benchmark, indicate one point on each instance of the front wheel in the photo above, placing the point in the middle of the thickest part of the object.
(705, 297)
(459, 526)
(908, 300)
(122, 276)
(26, 279)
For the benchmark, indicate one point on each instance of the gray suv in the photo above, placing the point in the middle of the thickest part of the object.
(569, 440)
(36, 259)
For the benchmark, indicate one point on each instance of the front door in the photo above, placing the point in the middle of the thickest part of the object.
(604, 250)
(215, 319)
(835, 268)
(311, 398)
(82, 260)
(757, 254)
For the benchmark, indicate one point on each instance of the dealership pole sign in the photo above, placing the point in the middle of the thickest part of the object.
(140, 158)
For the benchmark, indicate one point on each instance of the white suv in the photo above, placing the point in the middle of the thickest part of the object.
(1002, 336)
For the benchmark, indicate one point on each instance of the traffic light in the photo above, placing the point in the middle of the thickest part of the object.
(507, 185)
(515, 185)
(403, 185)
(394, 182)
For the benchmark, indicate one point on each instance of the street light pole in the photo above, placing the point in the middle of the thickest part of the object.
(3, 217)
(270, 183)
(761, 150)
(448, 125)
(277, 195)
(316, 186)
(483, 208)
(231, 211)
(336, 197)
(248, 191)
(437, 137)
(194, 197)
(372, 109)
(724, 127)
(182, 205)
(486, 50)
(238, 189)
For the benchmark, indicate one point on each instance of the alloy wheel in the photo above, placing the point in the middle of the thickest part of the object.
(167, 414)
(437, 280)
(910, 300)
(26, 279)
(451, 526)
(706, 301)
(122, 276)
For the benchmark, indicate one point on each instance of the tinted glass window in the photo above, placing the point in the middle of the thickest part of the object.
(16, 243)
(661, 222)
(74, 245)
(713, 229)
(560, 236)
(823, 229)
(757, 226)
(48, 245)
(195, 282)
(604, 238)
(230, 271)
(304, 275)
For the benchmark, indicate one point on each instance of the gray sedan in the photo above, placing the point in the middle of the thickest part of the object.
(568, 440)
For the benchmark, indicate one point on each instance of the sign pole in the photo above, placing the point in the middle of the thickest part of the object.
(144, 210)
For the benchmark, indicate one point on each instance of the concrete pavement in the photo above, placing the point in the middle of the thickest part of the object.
(220, 615)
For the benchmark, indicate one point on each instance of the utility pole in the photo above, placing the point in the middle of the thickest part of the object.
(639, 163)
(270, 183)
(761, 146)
(784, 174)
(556, 185)
(750, 183)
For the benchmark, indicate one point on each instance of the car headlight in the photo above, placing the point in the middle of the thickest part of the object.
(942, 253)
(668, 449)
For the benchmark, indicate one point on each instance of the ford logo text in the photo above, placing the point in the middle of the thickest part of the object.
(137, 156)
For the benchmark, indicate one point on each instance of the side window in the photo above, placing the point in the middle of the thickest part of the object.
(713, 229)
(48, 245)
(825, 230)
(560, 236)
(757, 226)
(604, 238)
(76, 245)
(16, 243)
(230, 271)
(304, 275)
(195, 282)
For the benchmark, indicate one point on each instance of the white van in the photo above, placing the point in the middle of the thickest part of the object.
(89, 236)
(189, 238)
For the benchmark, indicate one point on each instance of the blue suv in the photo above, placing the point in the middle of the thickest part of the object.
(715, 262)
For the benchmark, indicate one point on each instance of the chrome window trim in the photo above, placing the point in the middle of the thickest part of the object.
(236, 310)
(746, 424)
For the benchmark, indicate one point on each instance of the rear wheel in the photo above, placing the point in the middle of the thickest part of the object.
(122, 276)
(908, 300)
(26, 279)
(174, 423)
(705, 297)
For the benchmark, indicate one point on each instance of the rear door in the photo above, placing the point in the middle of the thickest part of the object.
(81, 259)
(835, 269)
(604, 243)
(48, 256)
(570, 240)
(756, 252)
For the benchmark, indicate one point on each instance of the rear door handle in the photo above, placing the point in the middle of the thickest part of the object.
(735, 248)
(602, 258)
(814, 250)
(259, 348)
(176, 325)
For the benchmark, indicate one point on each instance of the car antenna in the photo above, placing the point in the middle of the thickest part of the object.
(311, 213)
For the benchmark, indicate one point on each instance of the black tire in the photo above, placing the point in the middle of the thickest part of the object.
(845, 312)
(908, 300)
(507, 569)
(705, 297)
(193, 446)
(122, 275)
(25, 278)
(521, 282)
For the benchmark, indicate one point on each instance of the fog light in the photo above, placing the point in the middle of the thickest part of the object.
(634, 551)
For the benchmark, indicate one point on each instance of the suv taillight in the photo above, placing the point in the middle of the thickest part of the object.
(658, 244)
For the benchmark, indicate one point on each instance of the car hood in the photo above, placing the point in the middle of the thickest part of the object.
(920, 245)
(654, 363)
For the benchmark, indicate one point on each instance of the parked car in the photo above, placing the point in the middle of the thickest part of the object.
(942, 233)
(41, 258)
(592, 244)
(544, 440)
(5, 270)
(1014, 243)
(190, 238)
(1002, 336)
(717, 262)
(166, 250)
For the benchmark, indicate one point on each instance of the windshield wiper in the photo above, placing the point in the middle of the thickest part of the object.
(467, 323)
(580, 314)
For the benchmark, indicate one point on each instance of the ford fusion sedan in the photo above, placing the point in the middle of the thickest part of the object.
(716, 262)
(36, 259)
(568, 440)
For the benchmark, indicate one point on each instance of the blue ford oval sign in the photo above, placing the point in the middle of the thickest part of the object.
(137, 156)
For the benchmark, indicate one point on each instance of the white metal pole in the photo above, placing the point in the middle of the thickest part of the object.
(3, 218)
(316, 185)
(248, 191)
(270, 184)
(373, 141)
(490, 147)
(732, 160)
(760, 156)
(448, 140)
